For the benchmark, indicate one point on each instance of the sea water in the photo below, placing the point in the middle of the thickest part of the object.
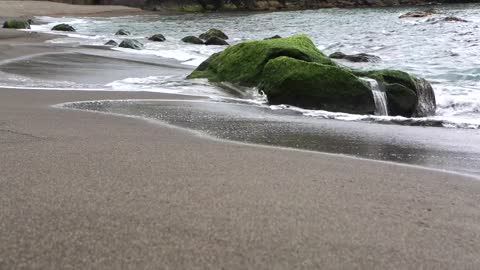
(445, 53)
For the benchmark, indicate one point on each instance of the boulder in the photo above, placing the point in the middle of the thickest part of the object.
(111, 43)
(309, 85)
(131, 44)
(63, 27)
(361, 57)
(293, 71)
(192, 40)
(213, 33)
(16, 24)
(122, 32)
(243, 63)
(407, 95)
(157, 37)
(215, 41)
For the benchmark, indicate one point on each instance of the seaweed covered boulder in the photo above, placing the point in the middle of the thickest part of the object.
(192, 40)
(286, 80)
(243, 63)
(16, 24)
(63, 27)
(213, 33)
(293, 71)
(406, 95)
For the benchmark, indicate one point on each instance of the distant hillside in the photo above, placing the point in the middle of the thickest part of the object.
(255, 5)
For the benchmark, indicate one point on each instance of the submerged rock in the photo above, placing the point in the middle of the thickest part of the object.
(454, 19)
(131, 44)
(293, 71)
(419, 14)
(157, 37)
(213, 33)
(63, 27)
(16, 24)
(274, 37)
(215, 41)
(192, 40)
(361, 57)
(122, 32)
(111, 43)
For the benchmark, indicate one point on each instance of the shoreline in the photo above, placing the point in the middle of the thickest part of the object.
(203, 134)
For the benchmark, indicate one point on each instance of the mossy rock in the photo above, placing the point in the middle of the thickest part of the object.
(401, 100)
(243, 63)
(63, 27)
(122, 32)
(16, 24)
(111, 43)
(406, 95)
(157, 38)
(192, 40)
(286, 80)
(131, 44)
(213, 33)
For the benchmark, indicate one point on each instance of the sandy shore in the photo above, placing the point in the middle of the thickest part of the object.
(95, 191)
(28, 9)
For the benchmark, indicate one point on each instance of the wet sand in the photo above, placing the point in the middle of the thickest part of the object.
(96, 191)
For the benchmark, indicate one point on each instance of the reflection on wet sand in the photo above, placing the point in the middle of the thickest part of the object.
(432, 147)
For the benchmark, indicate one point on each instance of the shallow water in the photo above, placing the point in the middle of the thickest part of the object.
(440, 148)
(446, 53)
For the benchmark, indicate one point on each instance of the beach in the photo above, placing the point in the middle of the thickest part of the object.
(89, 190)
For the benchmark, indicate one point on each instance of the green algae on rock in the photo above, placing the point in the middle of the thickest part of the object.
(293, 71)
(16, 24)
(213, 33)
(310, 85)
(63, 27)
(406, 95)
(243, 63)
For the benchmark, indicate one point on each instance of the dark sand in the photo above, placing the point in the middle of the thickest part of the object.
(86, 190)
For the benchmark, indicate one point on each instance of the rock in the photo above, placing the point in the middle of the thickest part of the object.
(111, 43)
(213, 33)
(274, 37)
(192, 39)
(16, 24)
(419, 14)
(157, 37)
(243, 63)
(131, 44)
(63, 27)
(407, 95)
(309, 85)
(215, 41)
(361, 57)
(293, 71)
(454, 19)
(122, 32)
